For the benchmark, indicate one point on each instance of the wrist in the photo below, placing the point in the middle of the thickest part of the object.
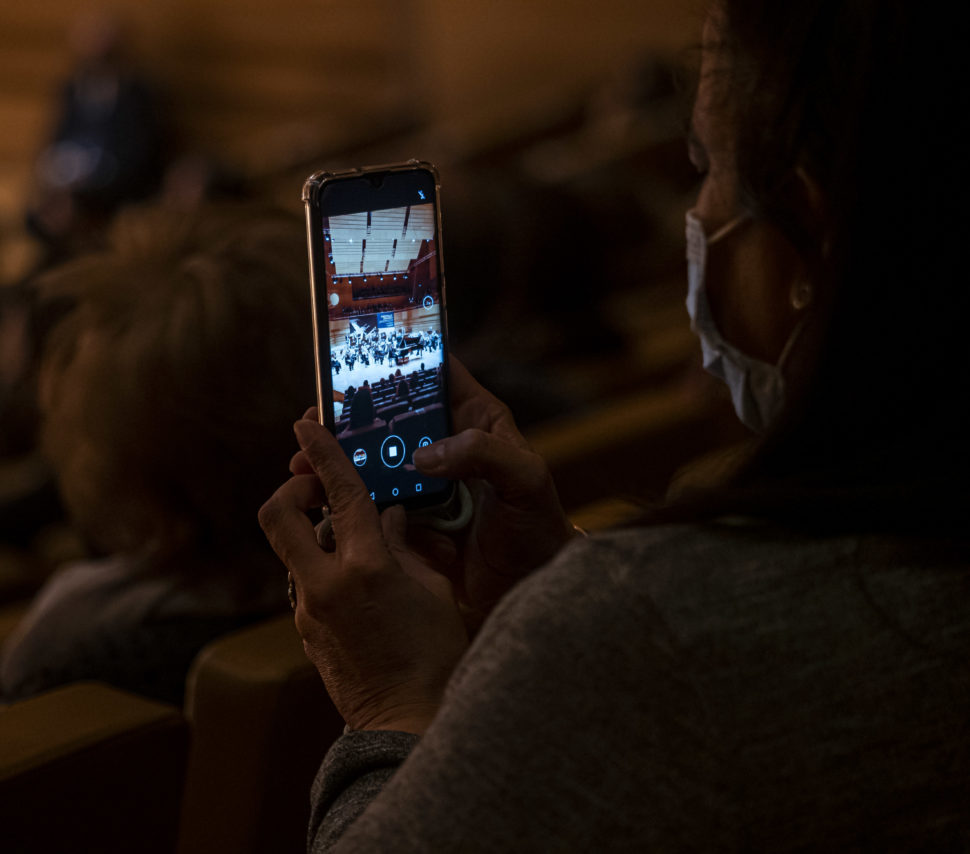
(414, 721)
(411, 711)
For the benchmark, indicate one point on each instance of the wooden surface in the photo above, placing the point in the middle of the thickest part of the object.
(262, 83)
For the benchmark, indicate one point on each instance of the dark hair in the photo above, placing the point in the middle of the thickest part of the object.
(865, 97)
(362, 412)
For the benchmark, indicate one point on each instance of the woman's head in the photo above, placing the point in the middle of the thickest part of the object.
(833, 126)
(362, 413)
(169, 390)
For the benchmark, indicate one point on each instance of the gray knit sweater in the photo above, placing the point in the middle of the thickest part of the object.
(720, 688)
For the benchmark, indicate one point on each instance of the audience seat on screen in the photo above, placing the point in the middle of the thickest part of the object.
(411, 426)
(392, 410)
(425, 399)
(89, 768)
(261, 722)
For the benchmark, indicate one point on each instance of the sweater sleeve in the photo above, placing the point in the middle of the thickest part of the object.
(353, 773)
(569, 725)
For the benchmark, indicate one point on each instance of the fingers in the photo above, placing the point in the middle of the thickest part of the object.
(511, 470)
(394, 525)
(474, 407)
(299, 464)
(284, 520)
(465, 388)
(356, 525)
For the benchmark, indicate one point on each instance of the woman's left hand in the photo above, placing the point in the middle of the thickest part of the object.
(382, 628)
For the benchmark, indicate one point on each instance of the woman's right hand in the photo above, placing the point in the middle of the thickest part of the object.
(518, 522)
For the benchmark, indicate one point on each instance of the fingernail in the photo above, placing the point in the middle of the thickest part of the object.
(430, 456)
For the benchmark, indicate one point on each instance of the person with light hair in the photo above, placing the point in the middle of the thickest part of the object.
(166, 394)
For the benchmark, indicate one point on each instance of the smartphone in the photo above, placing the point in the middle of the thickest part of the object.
(379, 323)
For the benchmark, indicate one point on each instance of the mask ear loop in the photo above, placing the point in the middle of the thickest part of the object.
(801, 298)
(727, 228)
(801, 295)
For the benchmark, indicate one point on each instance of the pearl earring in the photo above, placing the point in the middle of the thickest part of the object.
(801, 295)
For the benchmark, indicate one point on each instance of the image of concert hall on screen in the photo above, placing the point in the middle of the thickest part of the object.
(384, 303)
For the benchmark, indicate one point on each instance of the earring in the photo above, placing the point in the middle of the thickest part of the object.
(801, 295)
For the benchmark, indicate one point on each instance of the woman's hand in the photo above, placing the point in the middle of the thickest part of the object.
(381, 627)
(519, 523)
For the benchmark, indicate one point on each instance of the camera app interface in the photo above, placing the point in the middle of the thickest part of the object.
(386, 348)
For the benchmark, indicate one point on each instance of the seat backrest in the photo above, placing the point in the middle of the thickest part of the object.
(89, 768)
(412, 426)
(391, 410)
(261, 723)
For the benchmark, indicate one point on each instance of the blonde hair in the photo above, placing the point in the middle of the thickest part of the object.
(169, 391)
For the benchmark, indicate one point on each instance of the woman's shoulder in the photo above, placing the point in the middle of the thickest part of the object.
(755, 675)
(80, 585)
(738, 584)
(123, 621)
(687, 563)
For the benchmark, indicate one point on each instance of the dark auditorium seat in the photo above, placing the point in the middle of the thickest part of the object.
(392, 410)
(261, 722)
(424, 399)
(88, 768)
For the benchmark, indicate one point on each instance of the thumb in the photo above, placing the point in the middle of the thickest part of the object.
(473, 453)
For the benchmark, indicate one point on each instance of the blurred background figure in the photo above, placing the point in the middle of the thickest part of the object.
(108, 145)
(167, 395)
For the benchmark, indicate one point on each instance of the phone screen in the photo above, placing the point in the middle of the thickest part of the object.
(385, 341)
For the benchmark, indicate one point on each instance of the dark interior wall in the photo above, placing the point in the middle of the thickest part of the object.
(260, 83)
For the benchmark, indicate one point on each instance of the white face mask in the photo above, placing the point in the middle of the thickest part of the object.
(757, 388)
